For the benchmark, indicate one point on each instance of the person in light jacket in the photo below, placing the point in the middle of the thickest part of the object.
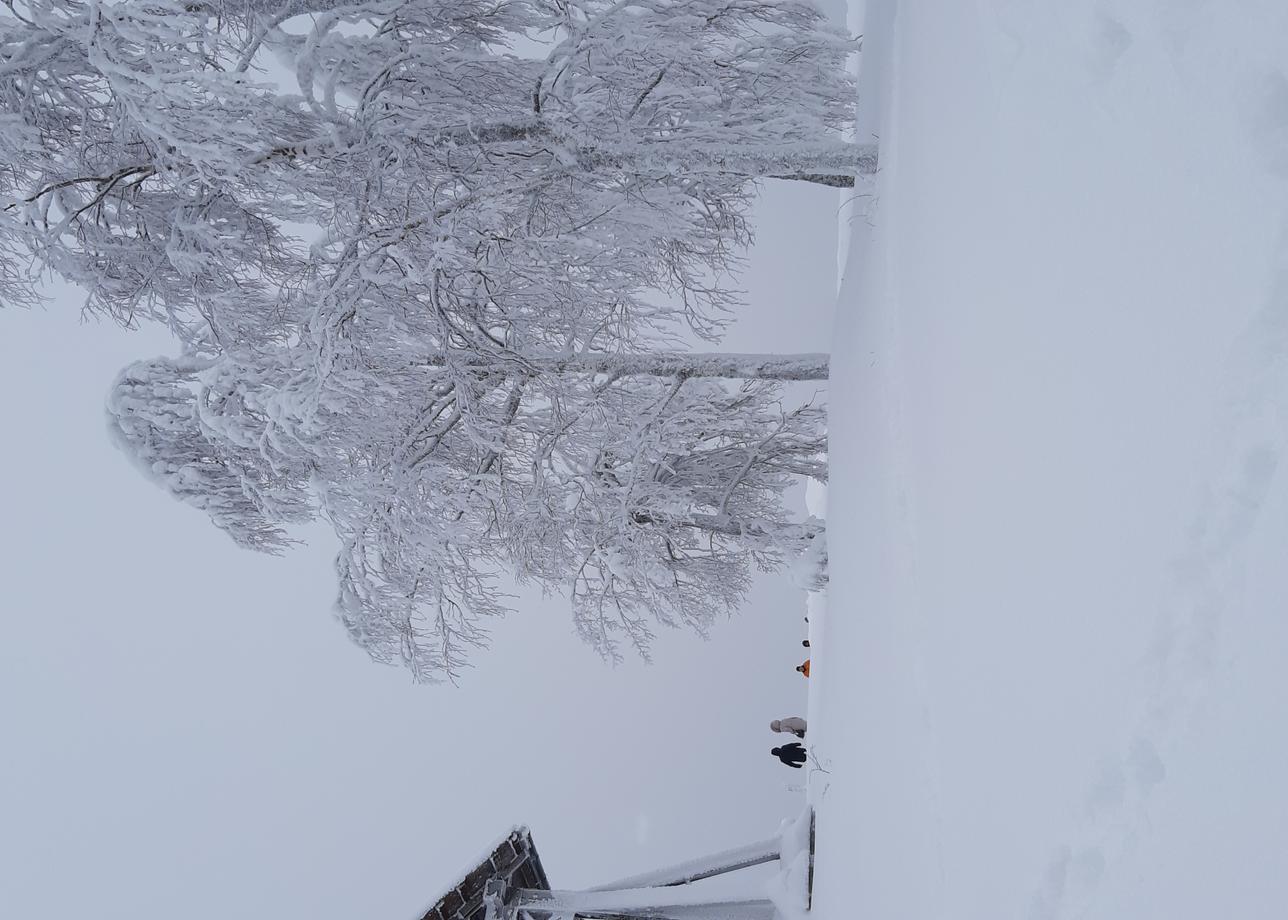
(793, 724)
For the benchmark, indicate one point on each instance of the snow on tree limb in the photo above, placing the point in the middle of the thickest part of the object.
(155, 419)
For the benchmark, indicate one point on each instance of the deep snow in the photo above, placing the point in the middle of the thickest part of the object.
(1050, 680)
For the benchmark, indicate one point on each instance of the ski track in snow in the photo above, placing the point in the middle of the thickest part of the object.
(1205, 577)
(1251, 434)
(1249, 438)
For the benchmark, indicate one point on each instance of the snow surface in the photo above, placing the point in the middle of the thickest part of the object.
(1049, 682)
(788, 889)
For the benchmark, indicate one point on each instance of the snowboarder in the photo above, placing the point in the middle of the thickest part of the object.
(804, 668)
(793, 724)
(791, 754)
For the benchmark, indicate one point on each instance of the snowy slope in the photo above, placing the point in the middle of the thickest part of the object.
(1050, 682)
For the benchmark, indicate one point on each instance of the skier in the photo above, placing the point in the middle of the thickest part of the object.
(791, 754)
(804, 668)
(793, 724)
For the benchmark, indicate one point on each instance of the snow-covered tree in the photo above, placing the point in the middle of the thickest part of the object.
(151, 158)
(421, 279)
(647, 495)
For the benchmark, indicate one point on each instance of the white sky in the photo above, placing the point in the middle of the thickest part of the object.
(187, 732)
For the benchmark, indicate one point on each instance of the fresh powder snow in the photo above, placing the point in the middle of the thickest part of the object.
(1048, 679)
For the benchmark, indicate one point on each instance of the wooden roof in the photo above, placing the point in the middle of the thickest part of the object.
(514, 859)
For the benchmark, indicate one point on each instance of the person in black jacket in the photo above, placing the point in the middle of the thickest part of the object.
(791, 754)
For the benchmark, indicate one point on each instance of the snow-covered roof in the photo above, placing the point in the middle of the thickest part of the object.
(513, 857)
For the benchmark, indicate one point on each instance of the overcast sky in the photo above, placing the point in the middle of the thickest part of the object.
(187, 732)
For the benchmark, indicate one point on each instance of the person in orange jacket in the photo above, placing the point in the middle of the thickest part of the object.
(804, 668)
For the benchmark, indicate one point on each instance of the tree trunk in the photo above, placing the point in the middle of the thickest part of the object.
(821, 179)
(827, 163)
(833, 163)
(659, 364)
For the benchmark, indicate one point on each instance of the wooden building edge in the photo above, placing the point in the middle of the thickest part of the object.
(514, 859)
